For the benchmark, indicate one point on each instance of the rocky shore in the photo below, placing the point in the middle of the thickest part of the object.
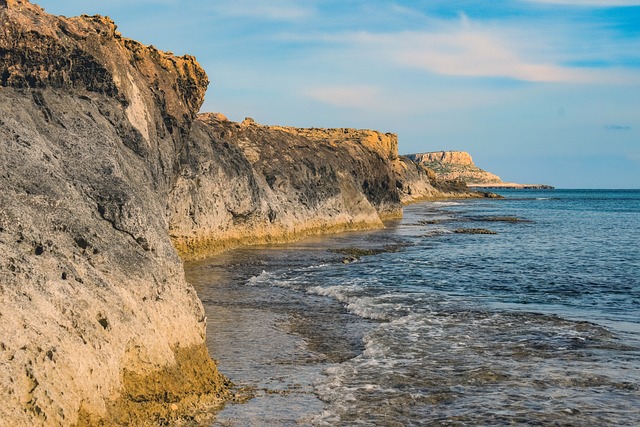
(110, 179)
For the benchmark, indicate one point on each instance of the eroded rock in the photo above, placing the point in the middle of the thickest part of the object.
(92, 292)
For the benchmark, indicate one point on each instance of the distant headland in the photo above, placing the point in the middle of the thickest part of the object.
(458, 165)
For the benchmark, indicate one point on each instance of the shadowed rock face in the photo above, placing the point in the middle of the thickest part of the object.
(105, 171)
(93, 301)
(268, 184)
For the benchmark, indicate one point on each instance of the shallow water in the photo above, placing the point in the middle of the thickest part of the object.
(538, 324)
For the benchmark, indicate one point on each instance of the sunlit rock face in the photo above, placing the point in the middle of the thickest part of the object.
(106, 170)
(454, 165)
(96, 319)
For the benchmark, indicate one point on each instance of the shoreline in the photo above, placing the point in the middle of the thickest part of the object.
(262, 290)
(241, 322)
(111, 172)
(510, 185)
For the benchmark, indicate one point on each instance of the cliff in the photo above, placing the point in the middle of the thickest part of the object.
(96, 319)
(417, 183)
(455, 165)
(108, 174)
(458, 166)
(248, 183)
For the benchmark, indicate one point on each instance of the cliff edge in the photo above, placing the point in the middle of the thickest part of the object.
(108, 174)
(97, 323)
(245, 183)
(455, 165)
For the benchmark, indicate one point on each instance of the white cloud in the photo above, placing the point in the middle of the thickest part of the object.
(277, 10)
(590, 3)
(471, 53)
(466, 49)
(363, 97)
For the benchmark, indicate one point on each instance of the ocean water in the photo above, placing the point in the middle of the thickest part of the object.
(538, 324)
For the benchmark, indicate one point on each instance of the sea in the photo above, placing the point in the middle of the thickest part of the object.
(516, 311)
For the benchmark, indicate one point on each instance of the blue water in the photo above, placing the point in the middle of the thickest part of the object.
(538, 324)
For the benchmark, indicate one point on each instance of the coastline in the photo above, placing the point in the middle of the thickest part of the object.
(111, 174)
(509, 185)
(275, 343)
(271, 297)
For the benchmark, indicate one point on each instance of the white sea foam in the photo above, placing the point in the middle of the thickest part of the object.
(313, 267)
(381, 307)
(342, 293)
(446, 203)
(260, 278)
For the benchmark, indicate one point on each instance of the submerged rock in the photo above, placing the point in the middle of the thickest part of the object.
(473, 231)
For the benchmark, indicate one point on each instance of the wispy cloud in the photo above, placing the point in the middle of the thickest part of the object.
(467, 48)
(590, 3)
(346, 96)
(467, 53)
(473, 53)
(276, 10)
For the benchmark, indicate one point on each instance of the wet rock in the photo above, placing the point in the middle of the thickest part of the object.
(473, 231)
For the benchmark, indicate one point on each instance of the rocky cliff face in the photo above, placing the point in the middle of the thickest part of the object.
(454, 165)
(245, 183)
(96, 319)
(452, 157)
(106, 171)
(270, 184)
(418, 183)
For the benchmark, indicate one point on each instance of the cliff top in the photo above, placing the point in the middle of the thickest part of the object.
(38, 50)
(455, 157)
(384, 143)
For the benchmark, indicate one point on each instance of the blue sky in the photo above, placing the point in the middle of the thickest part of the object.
(538, 91)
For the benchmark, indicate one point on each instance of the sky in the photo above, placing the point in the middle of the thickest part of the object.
(537, 91)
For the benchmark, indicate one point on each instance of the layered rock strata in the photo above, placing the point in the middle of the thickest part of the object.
(248, 183)
(97, 323)
(458, 166)
(417, 183)
(106, 171)
(455, 165)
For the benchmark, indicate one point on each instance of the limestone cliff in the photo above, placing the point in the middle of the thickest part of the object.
(416, 183)
(455, 165)
(96, 319)
(106, 170)
(458, 166)
(262, 184)
(245, 183)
